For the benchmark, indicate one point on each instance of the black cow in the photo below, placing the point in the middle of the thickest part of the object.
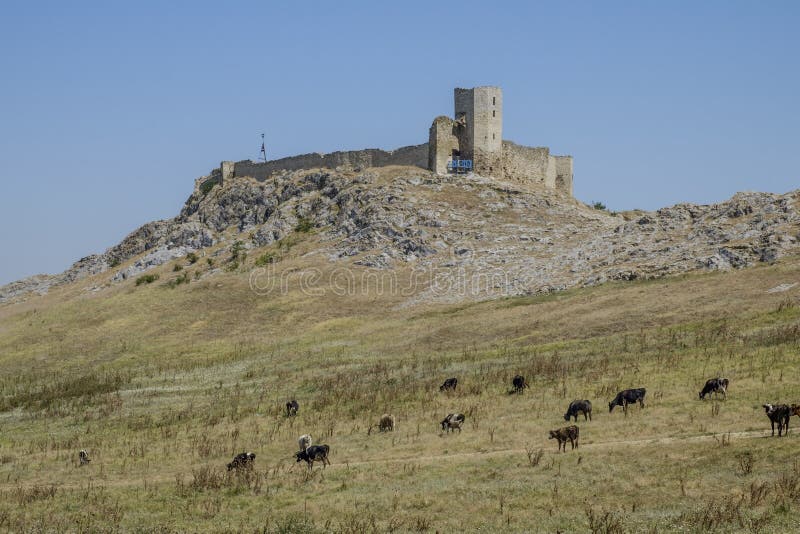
(449, 384)
(579, 406)
(626, 397)
(453, 421)
(778, 413)
(314, 453)
(716, 386)
(291, 408)
(519, 384)
(243, 460)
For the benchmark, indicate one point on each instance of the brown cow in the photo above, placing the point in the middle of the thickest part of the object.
(570, 433)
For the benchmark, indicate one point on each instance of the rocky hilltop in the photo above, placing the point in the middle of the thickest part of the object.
(525, 239)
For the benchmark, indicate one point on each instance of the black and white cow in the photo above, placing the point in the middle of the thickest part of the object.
(314, 453)
(84, 457)
(243, 460)
(715, 386)
(453, 421)
(579, 406)
(626, 397)
(449, 384)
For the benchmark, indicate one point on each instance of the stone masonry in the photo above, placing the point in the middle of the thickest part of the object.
(475, 133)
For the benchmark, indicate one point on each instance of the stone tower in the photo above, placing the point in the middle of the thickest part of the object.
(476, 134)
(479, 118)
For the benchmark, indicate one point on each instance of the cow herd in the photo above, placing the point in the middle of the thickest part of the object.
(777, 413)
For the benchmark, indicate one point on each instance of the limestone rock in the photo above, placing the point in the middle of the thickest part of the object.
(477, 237)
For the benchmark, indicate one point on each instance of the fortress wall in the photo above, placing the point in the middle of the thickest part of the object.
(415, 155)
(527, 164)
(550, 175)
(441, 144)
(564, 174)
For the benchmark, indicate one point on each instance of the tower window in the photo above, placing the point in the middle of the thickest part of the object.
(493, 137)
(493, 100)
(493, 113)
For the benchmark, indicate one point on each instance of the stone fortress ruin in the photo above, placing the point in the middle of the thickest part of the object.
(472, 141)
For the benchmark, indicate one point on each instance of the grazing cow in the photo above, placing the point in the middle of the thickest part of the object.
(84, 457)
(291, 408)
(579, 406)
(778, 413)
(243, 460)
(449, 384)
(519, 384)
(452, 422)
(564, 434)
(626, 397)
(795, 409)
(386, 423)
(304, 441)
(715, 386)
(314, 453)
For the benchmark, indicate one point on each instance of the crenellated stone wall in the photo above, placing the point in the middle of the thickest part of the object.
(415, 155)
(536, 165)
(474, 134)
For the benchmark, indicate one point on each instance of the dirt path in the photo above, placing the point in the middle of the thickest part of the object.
(590, 446)
(170, 477)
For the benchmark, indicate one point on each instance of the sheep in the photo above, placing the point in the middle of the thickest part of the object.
(305, 441)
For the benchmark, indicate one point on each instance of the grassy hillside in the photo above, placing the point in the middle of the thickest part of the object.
(163, 385)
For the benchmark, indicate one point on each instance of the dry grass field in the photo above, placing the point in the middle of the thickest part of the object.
(163, 385)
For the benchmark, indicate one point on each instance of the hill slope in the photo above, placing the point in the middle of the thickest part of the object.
(163, 381)
(491, 238)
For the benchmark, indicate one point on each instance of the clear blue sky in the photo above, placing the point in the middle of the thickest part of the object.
(109, 110)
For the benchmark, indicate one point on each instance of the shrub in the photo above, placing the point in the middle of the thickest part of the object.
(599, 206)
(192, 258)
(182, 279)
(304, 225)
(266, 259)
(206, 187)
(146, 279)
(177, 267)
(210, 262)
(237, 251)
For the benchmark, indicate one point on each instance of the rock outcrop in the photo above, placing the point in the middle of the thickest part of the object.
(521, 239)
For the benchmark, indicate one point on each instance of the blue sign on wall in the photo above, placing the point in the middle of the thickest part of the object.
(459, 166)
